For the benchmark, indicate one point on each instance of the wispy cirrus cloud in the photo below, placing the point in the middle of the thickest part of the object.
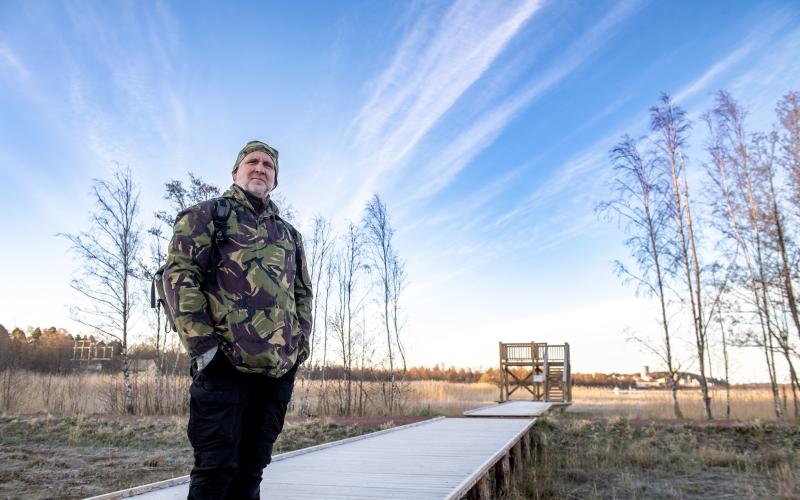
(9, 59)
(141, 107)
(435, 64)
(427, 75)
(514, 228)
(569, 178)
(770, 78)
(768, 32)
(758, 39)
(470, 211)
(446, 165)
(18, 175)
(703, 81)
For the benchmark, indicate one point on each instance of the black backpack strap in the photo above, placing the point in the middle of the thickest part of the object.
(222, 208)
(219, 215)
(153, 296)
(158, 299)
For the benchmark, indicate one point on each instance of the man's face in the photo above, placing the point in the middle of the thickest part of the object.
(255, 174)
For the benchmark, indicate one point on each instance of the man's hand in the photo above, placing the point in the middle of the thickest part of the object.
(303, 350)
(204, 359)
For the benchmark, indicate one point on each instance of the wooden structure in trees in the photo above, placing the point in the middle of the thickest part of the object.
(91, 350)
(541, 369)
(91, 355)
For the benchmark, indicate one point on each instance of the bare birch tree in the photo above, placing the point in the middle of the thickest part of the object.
(330, 271)
(349, 267)
(181, 197)
(670, 126)
(755, 304)
(156, 256)
(387, 267)
(321, 243)
(108, 254)
(788, 140)
(397, 280)
(780, 279)
(639, 201)
(788, 111)
(725, 357)
(741, 188)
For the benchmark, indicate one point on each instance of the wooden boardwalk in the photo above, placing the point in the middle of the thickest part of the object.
(442, 458)
(527, 409)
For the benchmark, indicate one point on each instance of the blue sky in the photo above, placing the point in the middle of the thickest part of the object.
(485, 126)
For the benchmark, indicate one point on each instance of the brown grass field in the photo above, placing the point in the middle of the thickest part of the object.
(592, 458)
(31, 393)
(65, 437)
(53, 457)
(746, 403)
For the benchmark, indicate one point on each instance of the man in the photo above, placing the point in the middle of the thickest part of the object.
(237, 284)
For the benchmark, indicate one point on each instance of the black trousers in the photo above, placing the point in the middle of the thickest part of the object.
(234, 419)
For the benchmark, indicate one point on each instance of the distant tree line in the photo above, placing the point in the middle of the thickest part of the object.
(43, 350)
(721, 260)
(51, 350)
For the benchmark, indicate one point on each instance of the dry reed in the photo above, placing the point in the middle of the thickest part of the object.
(91, 393)
(101, 393)
(747, 403)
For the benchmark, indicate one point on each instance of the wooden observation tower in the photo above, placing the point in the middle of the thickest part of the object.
(541, 369)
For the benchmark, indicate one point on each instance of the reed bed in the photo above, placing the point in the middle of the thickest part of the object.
(428, 397)
(24, 392)
(747, 403)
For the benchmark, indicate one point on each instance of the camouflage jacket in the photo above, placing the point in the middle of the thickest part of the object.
(258, 310)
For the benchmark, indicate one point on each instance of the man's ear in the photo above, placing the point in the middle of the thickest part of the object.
(233, 174)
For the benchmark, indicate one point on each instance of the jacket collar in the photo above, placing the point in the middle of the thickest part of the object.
(236, 193)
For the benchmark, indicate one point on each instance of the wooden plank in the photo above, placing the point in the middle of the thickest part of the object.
(526, 409)
(467, 484)
(147, 488)
(435, 459)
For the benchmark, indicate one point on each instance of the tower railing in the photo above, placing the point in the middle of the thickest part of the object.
(541, 369)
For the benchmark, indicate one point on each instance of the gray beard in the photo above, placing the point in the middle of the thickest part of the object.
(255, 193)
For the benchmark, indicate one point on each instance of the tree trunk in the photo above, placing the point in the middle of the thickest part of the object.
(725, 363)
(126, 382)
(770, 357)
(667, 344)
(699, 326)
(787, 275)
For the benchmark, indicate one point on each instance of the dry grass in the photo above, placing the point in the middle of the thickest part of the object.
(76, 457)
(605, 456)
(27, 393)
(418, 398)
(91, 393)
(613, 458)
(101, 393)
(746, 403)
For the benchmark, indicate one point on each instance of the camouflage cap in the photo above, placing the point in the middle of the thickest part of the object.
(258, 146)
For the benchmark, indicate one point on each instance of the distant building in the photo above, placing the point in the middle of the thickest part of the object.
(661, 380)
(91, 354)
